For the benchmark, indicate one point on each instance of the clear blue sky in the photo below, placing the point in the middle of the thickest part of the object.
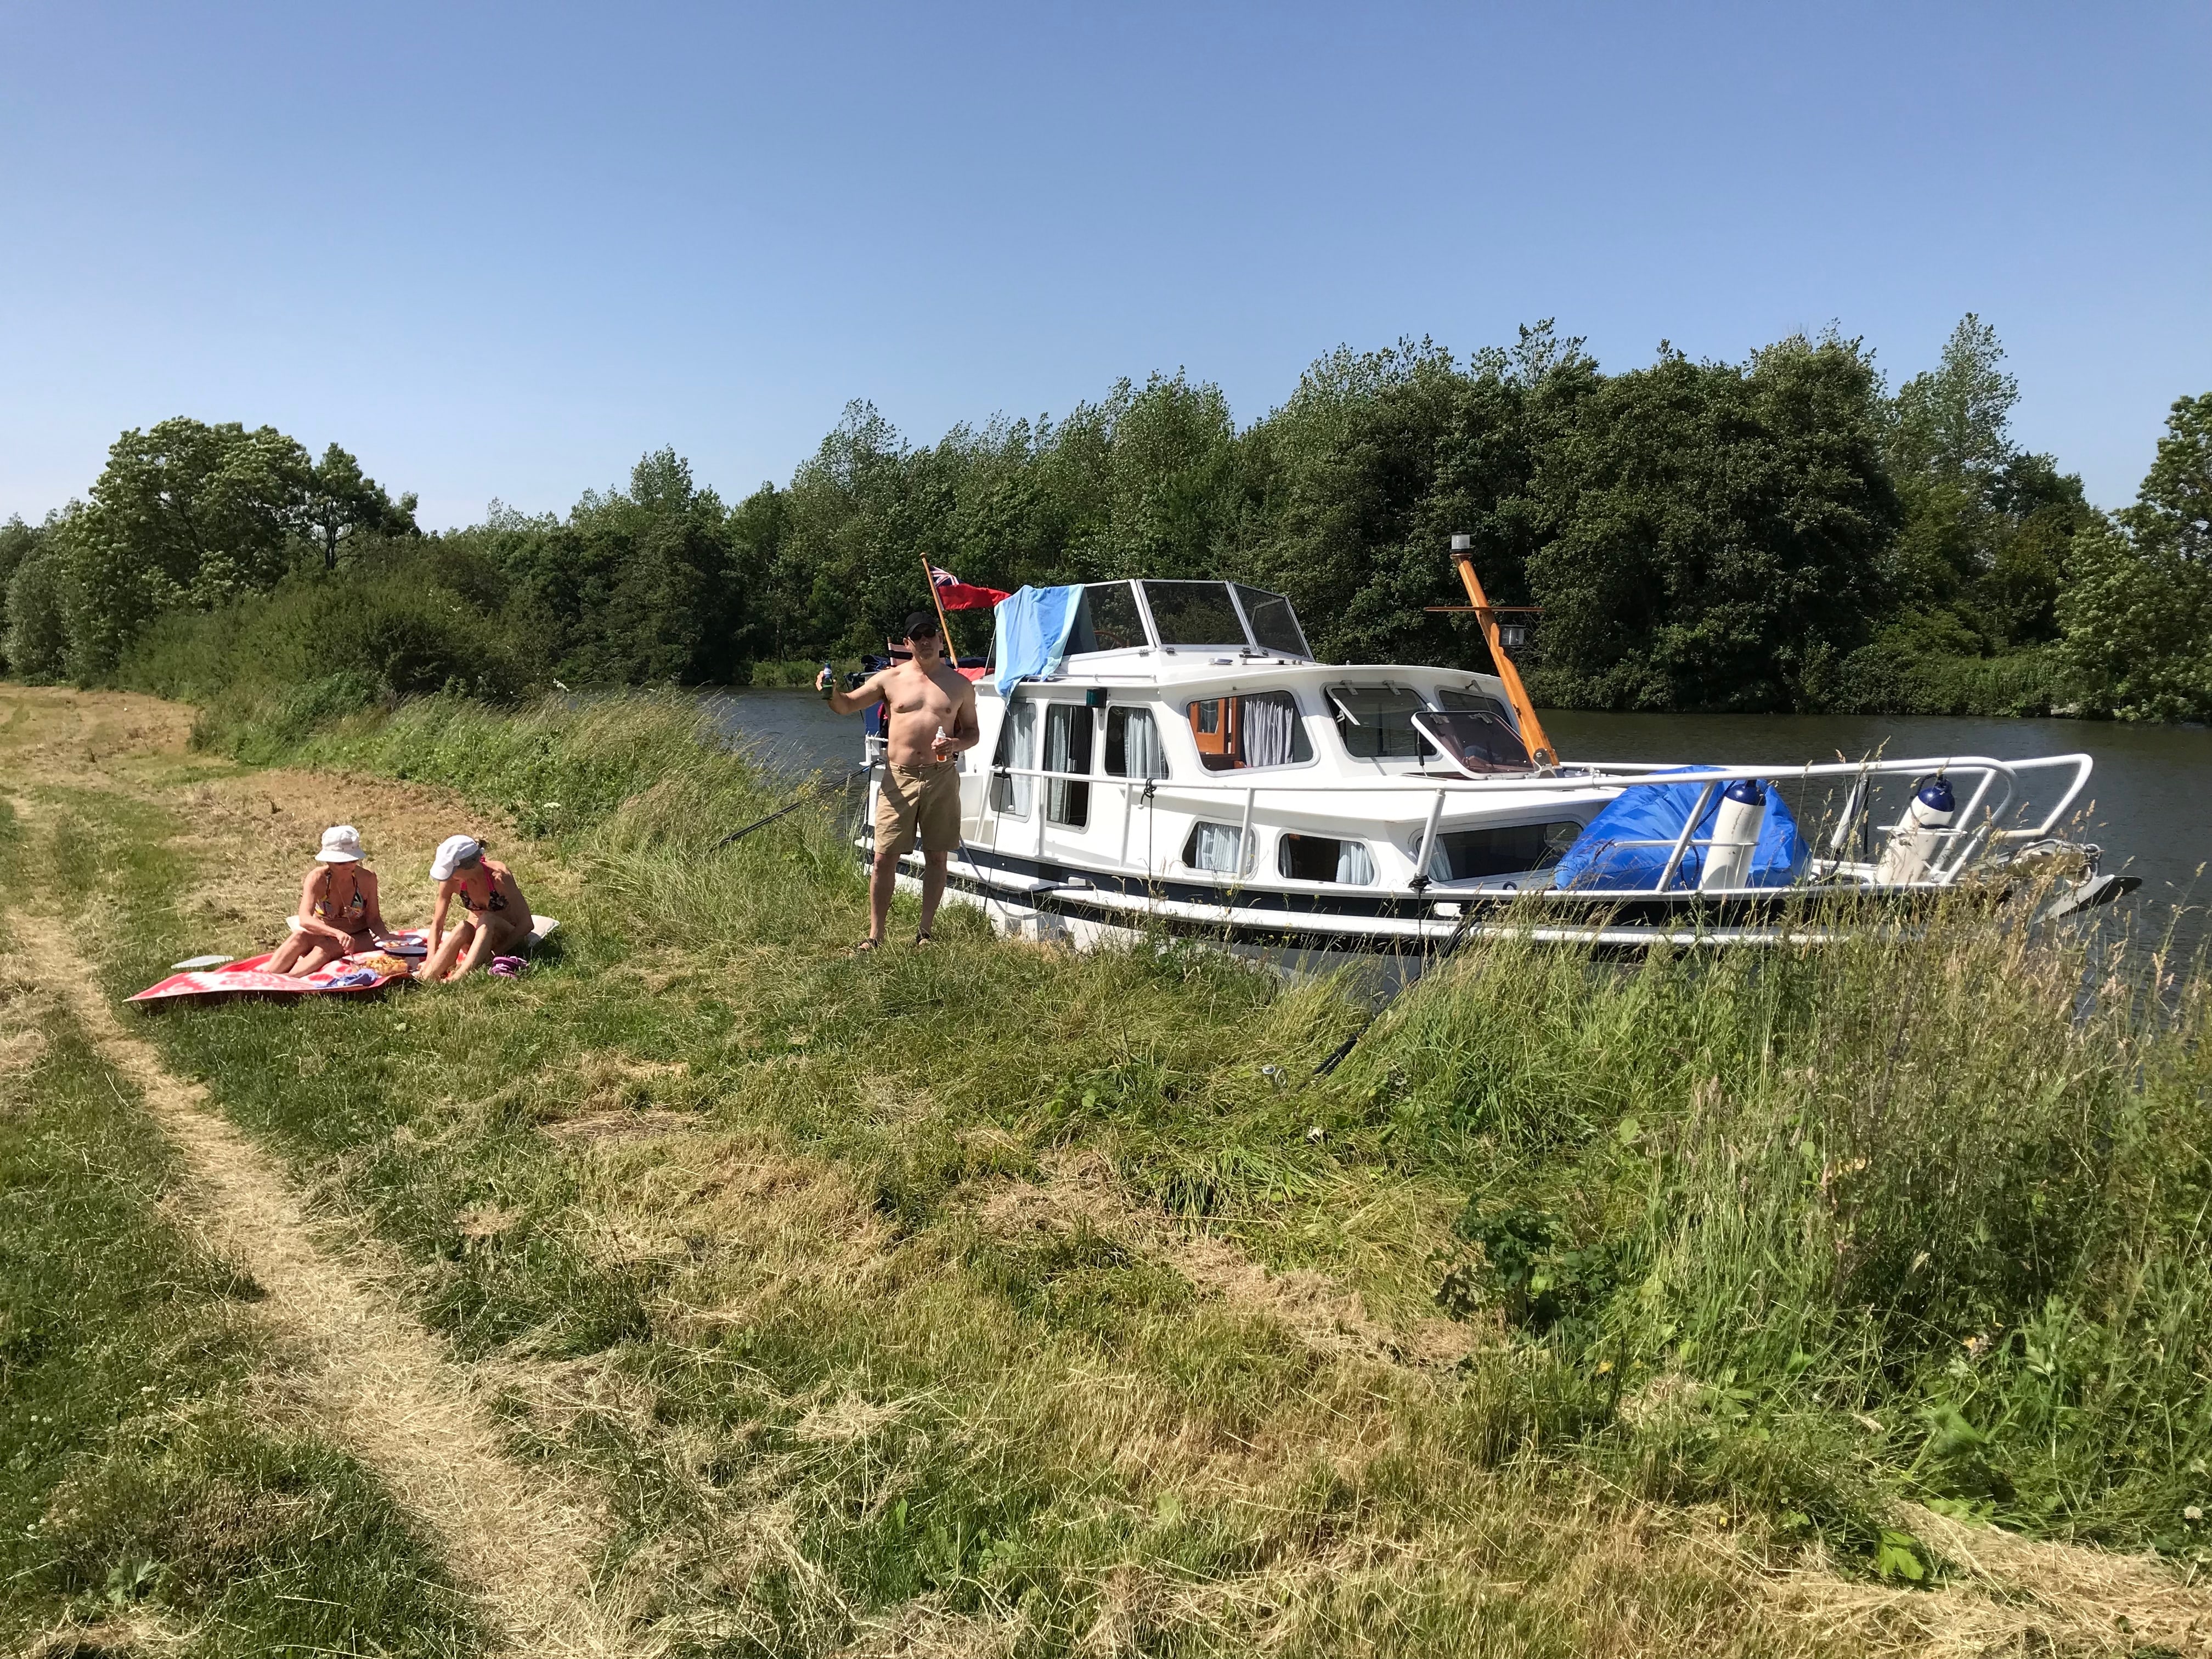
(502, 250)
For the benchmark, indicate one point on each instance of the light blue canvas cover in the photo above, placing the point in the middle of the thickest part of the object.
(1034, 623)
(1596, 863)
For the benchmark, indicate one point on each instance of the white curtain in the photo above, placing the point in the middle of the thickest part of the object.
(1142, 755)
(1217, 848)
(1353, 867)
(1269, 718)
(1017, 745)
(1068, 802)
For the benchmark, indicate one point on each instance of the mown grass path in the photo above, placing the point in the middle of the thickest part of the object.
(522, 1540)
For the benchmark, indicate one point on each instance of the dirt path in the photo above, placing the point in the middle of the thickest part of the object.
(380, 1382)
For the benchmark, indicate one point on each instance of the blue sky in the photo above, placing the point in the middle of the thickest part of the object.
(502, 250)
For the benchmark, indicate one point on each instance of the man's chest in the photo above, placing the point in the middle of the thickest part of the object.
(917, 694)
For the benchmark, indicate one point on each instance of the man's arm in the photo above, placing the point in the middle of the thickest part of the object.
(871, 691)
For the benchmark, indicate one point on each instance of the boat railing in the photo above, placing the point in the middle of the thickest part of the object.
(1996, 785)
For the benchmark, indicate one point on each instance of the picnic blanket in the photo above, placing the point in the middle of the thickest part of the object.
(251, 976)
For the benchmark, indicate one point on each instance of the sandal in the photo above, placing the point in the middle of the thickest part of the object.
(866, 946)
(922, 940)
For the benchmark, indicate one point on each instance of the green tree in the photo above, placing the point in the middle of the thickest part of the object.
(1983, 550)
(35, 645)
(635, 587)
(2138, 613)
(342, 504)
(184, 514)
(1712, 532)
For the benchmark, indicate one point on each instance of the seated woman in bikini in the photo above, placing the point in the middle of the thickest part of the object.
(497, 917)
(339, 912)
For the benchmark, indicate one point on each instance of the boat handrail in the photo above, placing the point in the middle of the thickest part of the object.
(1968, 829)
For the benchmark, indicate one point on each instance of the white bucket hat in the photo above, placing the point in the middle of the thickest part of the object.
(341, 844)
(453, 852)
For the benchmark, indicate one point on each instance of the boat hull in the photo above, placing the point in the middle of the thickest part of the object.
(1038, 899)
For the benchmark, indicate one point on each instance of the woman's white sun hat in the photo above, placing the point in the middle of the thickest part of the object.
(454, 852)
(341, 844)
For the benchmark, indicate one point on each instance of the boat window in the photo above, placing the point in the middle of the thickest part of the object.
(1217, 848)
(1274, 625)
(1067, 749)
(1194, 613)
(1472, 702)
(1323, 858)
(1376, 722)
(1474, 855)
(1261, 728)
(1106, 619)
(1480, 745)
(1132, 745)
(1016, 747)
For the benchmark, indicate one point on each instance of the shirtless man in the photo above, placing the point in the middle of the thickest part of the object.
(931, 717)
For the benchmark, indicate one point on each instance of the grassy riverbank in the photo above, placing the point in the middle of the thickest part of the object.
(149, 1486)
(999, 1297)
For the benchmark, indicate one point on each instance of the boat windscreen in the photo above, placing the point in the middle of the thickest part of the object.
(1106, 619)
(1480, 744)
(1274, 625)
(1194, 613)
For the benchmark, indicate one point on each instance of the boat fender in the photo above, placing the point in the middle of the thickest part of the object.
(1916, 838)
(1736, 834)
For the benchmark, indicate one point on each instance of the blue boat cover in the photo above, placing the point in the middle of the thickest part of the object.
(1034, 623)
(1597, 863)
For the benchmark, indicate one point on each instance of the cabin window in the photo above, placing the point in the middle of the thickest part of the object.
(1261, 728)
(1010, 796)
(1376, 722)
(1324, 858)
(1067, 749)
(1274, 625)
(1217, 848)
(1106, 619)
(1132, 745)
(1508, 850)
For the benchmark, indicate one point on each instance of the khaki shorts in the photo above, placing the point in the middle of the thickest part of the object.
(927, 798)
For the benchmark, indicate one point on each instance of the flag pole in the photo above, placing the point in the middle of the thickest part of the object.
(943, 624)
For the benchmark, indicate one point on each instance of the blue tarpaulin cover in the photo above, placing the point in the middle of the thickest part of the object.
(1034, 623)
(1597, 863)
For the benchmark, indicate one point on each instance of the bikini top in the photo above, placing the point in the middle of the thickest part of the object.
(498, 901)
(353, 909)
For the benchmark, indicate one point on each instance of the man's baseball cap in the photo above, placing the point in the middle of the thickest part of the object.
(921, 624)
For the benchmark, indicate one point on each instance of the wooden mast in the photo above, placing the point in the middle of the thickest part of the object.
(1532, 729)
(944, 626)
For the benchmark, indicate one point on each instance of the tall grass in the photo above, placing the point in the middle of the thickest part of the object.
(1927, 1212)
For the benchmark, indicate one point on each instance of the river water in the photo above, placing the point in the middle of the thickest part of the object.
(2148, 803)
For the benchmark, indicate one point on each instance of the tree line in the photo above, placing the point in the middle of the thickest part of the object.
(1785, 532)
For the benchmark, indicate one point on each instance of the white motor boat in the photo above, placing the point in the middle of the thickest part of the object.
(1182, 762)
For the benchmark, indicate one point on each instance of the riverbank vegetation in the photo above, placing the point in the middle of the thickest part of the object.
(1786, 532)
(996, 1298)
(150, 1483)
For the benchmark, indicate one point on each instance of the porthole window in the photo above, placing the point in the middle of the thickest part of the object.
(1324, 858)
(1509, 850)
(1217, 850)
